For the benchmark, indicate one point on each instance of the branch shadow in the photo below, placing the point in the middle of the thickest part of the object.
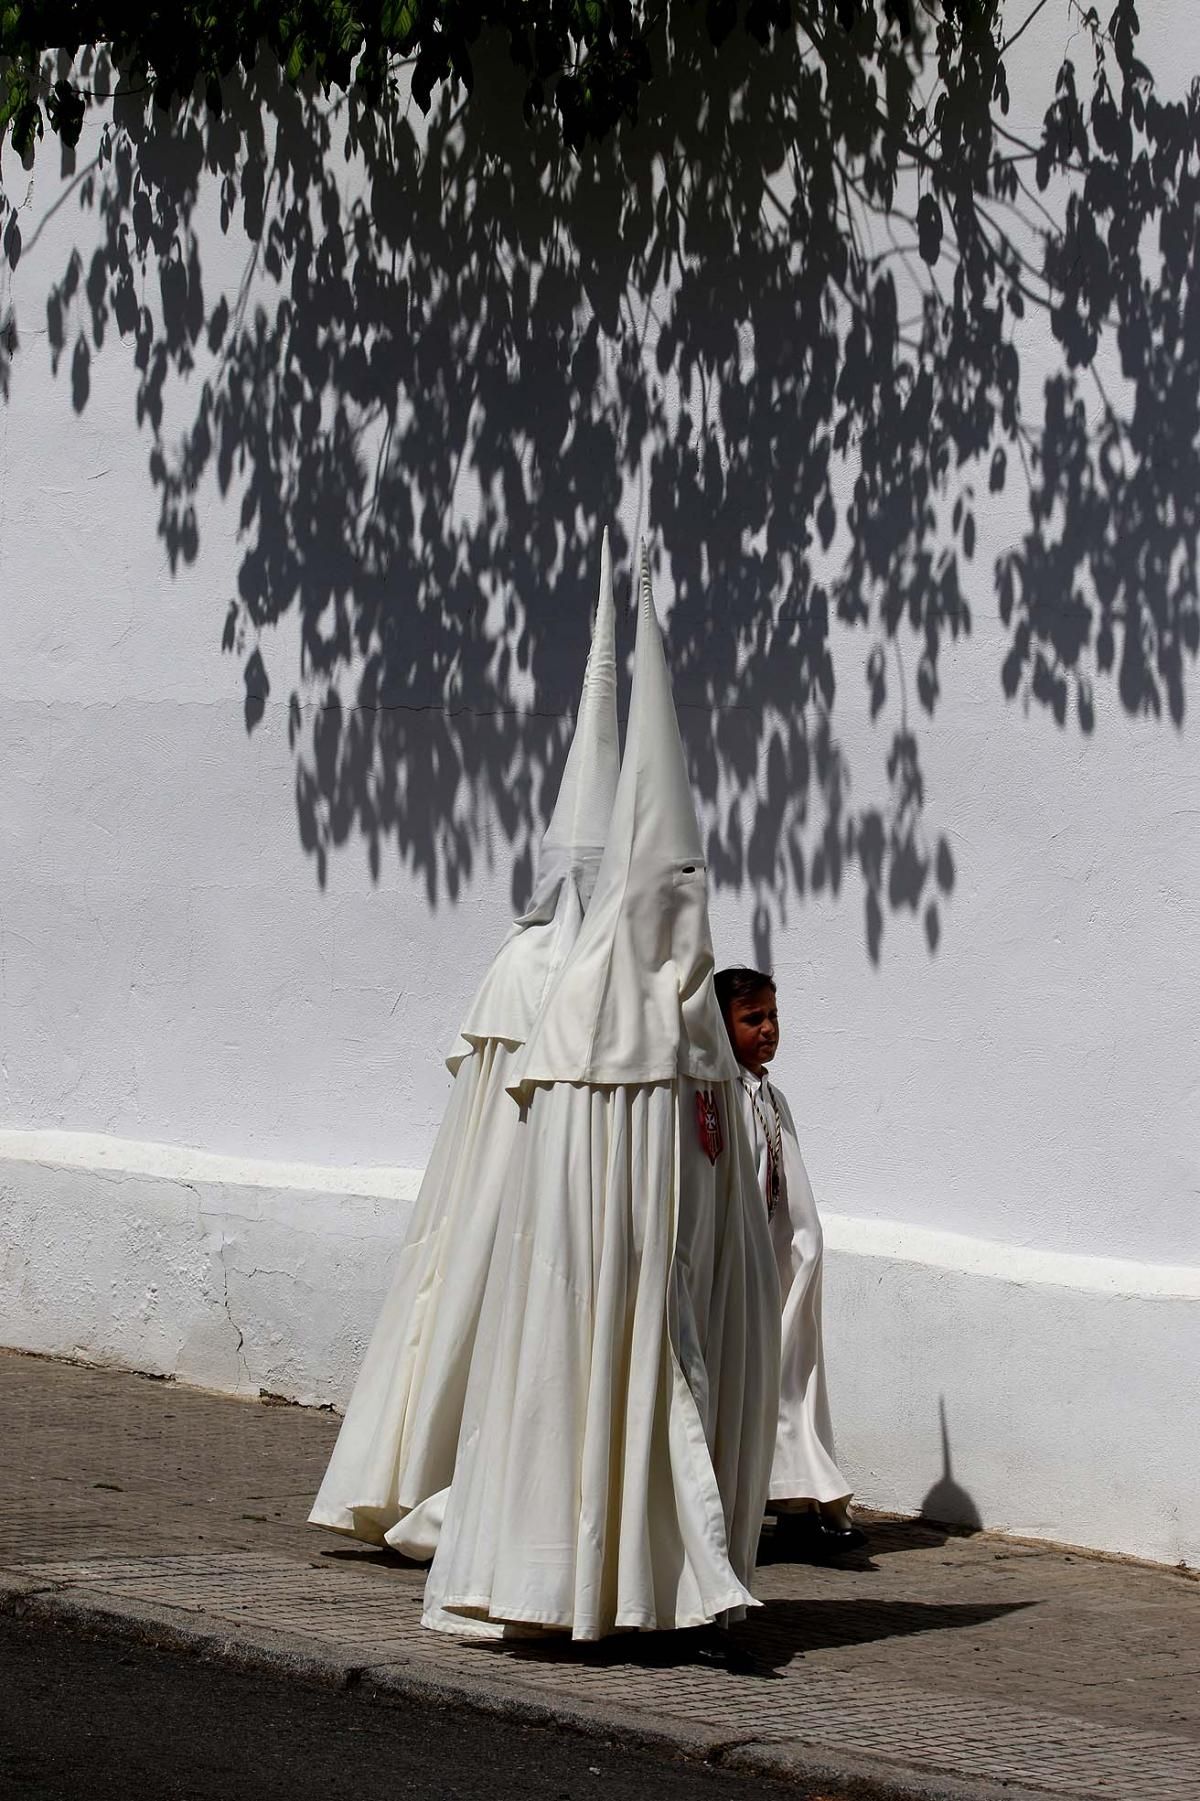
(456, 351)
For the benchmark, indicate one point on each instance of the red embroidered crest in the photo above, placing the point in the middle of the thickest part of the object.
(708, 1124)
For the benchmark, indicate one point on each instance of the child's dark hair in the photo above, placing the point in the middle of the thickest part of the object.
(739, 983)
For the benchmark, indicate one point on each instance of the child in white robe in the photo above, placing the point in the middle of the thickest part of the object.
(808, 1492)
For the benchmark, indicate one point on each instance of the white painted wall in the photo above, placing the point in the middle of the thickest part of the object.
(173, 972)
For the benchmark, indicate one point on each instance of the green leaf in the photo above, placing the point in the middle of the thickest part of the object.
(398, 19)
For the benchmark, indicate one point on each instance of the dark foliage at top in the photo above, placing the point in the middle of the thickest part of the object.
(588, 60)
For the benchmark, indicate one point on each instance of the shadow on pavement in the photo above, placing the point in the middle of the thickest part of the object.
(783, 1630)
(768, 1641)
(382, 1555)
(885, 1538)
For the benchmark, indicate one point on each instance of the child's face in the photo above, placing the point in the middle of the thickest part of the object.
(754, 1029)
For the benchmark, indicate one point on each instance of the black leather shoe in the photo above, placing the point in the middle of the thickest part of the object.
(841, 1539)
(801, 1538)
(813, 1537)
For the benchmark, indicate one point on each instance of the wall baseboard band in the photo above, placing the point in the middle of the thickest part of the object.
(180, 1163)
(853, 1234)
(1030, 1391)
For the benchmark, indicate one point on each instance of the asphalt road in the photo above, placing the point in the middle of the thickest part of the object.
(96, 1719)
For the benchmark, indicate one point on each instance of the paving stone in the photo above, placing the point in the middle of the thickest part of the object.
(960, 1656)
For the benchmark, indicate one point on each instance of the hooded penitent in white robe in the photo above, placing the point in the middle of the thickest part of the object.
(804, 1466)
(394, 1456)
(619, 1422)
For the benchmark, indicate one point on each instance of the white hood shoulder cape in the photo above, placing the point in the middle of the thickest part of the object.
(394, 1456)
(620, 1417)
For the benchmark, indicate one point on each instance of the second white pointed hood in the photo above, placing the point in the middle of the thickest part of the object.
(569, 858)
(634, 1001)
(573, 842)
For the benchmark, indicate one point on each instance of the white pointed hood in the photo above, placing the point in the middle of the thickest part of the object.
(574, 840)
(635, 1001)
(511, 993)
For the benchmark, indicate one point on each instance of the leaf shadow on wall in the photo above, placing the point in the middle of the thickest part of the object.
(437, 382)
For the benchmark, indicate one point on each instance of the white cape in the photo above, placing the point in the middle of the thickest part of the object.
(804, 1466)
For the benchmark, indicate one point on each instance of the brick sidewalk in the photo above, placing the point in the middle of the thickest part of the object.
(941, 1665)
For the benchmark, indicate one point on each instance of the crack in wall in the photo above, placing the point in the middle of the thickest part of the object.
(214, 1241)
